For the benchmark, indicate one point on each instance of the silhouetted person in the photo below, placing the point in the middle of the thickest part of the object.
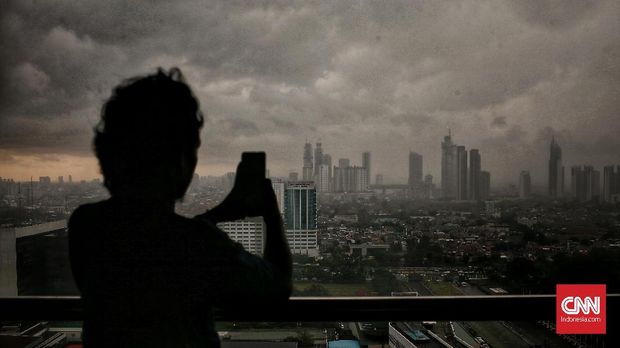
(149, 277)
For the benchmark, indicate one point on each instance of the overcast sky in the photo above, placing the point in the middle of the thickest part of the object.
(379, 76)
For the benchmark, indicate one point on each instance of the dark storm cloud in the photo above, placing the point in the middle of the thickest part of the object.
(358, 75)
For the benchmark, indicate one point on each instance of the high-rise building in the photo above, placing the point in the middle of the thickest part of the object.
(525, 184)
(556, 170)
(61, 179)
(461, 178)
(300, 217)
(327, 160)
(485, 185)
(279, 187)
(322, 178)
(449, 167)
(577, 183)
(592, 179)
(366, 165)
(307, 172)
(585, 183)
(611, 184)
(474, 174)
(318, 158)
(248, 232)
(415, 169)
(429, 187)
(343, 162)
(70, 179)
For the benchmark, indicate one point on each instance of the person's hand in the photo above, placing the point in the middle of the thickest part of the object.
(248, 198)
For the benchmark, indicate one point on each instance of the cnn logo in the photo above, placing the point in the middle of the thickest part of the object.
(575, 305)
(580, 308)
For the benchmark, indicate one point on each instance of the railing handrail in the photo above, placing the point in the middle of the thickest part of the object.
(300, 309)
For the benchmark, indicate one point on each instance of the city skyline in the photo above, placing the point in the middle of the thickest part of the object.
(309, 166)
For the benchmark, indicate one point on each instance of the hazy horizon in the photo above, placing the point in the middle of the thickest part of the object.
(389, 77)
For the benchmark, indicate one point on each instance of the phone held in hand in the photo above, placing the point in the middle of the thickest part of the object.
(253, 167)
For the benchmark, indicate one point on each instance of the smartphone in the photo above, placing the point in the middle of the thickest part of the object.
(252, 169)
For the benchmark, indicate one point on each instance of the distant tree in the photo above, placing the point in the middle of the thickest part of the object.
(384, 282)
(312, 290)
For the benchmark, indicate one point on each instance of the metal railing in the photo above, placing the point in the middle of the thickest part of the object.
(300, 309)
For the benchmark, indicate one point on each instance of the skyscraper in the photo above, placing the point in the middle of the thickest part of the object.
(300, 217)
(525, 184)
(556, 170)
(429, 188)
(318, 158)
(449, 167)
(577, 183)
(327, 160)
(485, 185)
(585, 183)
(592, 180)
(307, 172)
(611, 183)
(474, 174)
(415, 169)
(461, 170)
(366, 166)
(322, 178)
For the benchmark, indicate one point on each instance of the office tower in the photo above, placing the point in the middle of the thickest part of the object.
(556, 170)
(592, 182)
(485, 185)
(525, 184)
(248, 232)
(474, 174)
(415, 169)
(428, 187)
(461, 178)
(307, 168)
(611, 179)
(366, 165)
(293, 176)
(45, 180)
(279, 187)
(70, 179)
(349, 178)
(322, 178)
(449, 167)
(327, 160)
(318, 158)
(585, 183)
(379, 179)
(300, 217)
(577, 183)
(61, 179)
(361, 180)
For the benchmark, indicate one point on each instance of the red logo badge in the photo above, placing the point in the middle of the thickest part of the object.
(580, 308)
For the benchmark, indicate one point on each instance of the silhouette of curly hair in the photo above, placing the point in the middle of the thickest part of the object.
(148, 127)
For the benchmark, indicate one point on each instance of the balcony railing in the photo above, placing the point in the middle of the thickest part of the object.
(300, 309)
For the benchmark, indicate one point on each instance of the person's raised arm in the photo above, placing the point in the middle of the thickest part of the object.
(245, 201)
(276, 246)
